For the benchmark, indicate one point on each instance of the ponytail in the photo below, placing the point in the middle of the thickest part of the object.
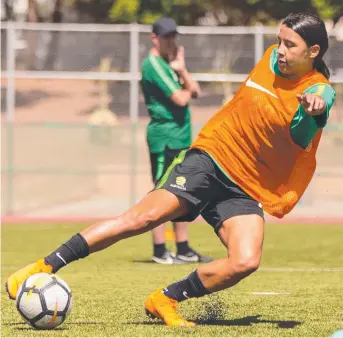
(321, 67)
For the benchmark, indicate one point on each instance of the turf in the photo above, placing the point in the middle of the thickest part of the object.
(109, 288)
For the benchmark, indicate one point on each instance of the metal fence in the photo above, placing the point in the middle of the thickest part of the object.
(56, 162)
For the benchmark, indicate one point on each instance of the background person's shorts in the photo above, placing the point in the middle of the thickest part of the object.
(194, 176)
(161, 161)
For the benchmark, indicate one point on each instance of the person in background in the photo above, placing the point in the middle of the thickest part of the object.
(168, 88)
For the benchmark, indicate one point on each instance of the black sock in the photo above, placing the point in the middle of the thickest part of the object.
(159, 249)
(182, 248)
(189, 287)
(70, 251)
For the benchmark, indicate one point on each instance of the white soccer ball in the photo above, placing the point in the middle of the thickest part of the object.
(44, 301)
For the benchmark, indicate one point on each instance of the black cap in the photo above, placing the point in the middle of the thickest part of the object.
(164, 26)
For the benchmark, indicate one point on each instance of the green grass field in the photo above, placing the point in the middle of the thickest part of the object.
(302, 262)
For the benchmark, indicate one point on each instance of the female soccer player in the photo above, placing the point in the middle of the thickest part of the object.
(257, 152)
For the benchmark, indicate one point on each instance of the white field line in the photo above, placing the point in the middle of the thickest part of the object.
(160, 267)
(272, 293)
(277, 269)
(284, 269)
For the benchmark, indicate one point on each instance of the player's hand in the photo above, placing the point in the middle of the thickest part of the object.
(178, 63)
(313, 104)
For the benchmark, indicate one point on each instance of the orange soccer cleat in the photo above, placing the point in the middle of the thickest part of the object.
(158, 305)
(17, 278)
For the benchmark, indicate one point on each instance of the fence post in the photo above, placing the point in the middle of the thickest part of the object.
(134, 94)
(10, 108)
(259, 47)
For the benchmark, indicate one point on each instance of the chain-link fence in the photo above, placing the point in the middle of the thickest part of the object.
(64, 156)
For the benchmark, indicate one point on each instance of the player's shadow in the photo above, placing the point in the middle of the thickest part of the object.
(248, 321)
(21, 326)
(32, 329)
(84, 323)
(245, 321)
(149, 261)
(25, 327)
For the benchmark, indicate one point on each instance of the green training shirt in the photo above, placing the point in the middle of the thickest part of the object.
(170, 124)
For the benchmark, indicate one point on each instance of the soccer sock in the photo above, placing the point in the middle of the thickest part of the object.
(159, 249)
(189, 287)
(182, 248)
(70, 251)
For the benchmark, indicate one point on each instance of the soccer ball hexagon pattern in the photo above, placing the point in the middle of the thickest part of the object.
(44, 301)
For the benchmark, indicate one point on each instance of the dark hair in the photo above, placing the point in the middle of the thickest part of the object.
(312, 30)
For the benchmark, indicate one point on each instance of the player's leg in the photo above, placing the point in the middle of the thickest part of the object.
(243, 237)
(159, 162)
(181, 231)
(184, 252)
(161, 205)
(154, 209)
(238, 221)
(161, 254)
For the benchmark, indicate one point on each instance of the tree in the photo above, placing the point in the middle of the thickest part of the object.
(233, 12)
(123, 11)
(329, 9)
(248, 12)
(185, 12)
(92, 10)
(188, 12)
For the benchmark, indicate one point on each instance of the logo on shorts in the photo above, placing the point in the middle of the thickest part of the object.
(180, 183)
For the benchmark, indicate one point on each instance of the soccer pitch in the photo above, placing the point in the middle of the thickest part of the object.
(298, 291)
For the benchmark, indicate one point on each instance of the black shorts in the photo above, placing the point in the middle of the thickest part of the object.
(194, 176)
(160, 162)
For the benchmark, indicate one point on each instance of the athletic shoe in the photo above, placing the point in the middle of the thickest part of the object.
(158, 305)
(167, 258)
(16, 279)
(193, 257)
